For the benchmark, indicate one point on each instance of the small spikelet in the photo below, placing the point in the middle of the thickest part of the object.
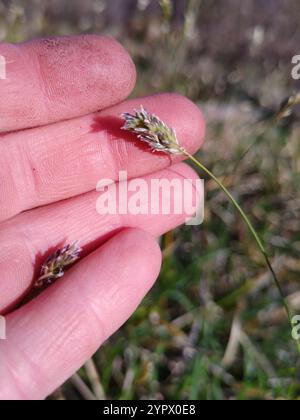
(287, 107)
(56, 264)
(150, 129)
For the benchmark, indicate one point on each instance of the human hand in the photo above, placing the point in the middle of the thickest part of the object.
(55, 145)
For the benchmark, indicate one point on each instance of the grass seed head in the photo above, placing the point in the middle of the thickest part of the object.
(56, 264)
(150, 129)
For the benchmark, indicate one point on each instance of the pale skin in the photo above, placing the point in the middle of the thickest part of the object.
(60, 134)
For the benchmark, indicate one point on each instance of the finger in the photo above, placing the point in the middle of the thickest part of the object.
(57, 78)
(28, 239)
(52, 337)
(48, 164)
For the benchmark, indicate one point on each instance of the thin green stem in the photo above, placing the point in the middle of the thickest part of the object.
(252, 231)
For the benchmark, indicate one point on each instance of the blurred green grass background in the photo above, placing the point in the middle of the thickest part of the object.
(213, 327)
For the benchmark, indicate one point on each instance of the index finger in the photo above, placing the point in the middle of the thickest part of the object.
(53, 79)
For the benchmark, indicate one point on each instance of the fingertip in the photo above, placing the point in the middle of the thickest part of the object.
(145, 249)
(126, 66)
(92, 65)
(58, 78)
(141, 252)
